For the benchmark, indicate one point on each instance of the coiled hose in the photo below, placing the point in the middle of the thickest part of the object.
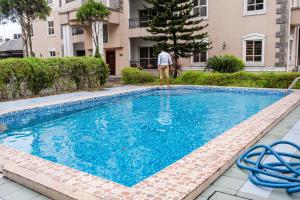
(278, 174)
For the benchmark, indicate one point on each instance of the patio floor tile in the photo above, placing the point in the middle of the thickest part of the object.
(8, 188)
(24, 194)
(229, 183)
(224, 196)
(280, 194)
(209, 192)
(237, 173)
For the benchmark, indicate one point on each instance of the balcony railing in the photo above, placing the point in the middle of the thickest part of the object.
(145, 63)
(138, 22)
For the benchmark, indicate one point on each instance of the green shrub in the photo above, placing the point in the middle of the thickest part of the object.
(20, 77)
(226, 63)
(239, 79)
(132, 75)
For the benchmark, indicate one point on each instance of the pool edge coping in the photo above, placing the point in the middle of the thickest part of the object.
(184, 179)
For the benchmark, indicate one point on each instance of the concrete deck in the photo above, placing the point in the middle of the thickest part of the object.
(234, 184)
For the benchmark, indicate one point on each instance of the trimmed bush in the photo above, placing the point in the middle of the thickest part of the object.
(26, 76)
(239, 79)
(132, 75)
(226, 63)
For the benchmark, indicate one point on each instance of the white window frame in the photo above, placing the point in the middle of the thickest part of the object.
(199, 64)
(291, 50)
(202, 17)
(52, 50)
(48, 28)
(254, 12)
(254, 37)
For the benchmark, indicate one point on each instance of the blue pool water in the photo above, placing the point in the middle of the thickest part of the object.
(130, 138)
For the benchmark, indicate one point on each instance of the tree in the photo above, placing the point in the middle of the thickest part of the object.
(92, 13)
(176, 29)
(24, 12)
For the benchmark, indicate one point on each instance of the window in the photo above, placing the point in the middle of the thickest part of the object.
(253, 49)
(50, 1)
(253, 7)
(68, 1)
(200, 57)
(17, 36)
(52, 53)
(200, 8)
(147, 58)
(105, 33)
(51, 28)
(77, 31)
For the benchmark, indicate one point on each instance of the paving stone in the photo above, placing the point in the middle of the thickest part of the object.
(24, 194)
(237, 173)
(230, 183)
(4, 180)
(212, 189)
(8, 188)
(201, 198)
(280, 194)
(224, 196)
(41, 198)
(249, 196)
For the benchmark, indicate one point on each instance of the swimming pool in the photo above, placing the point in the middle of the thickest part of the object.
(127, 138)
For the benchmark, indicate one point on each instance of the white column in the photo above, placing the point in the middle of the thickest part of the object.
(98, 29)
(67, 41)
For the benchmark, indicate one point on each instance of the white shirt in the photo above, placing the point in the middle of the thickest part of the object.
(164, 58)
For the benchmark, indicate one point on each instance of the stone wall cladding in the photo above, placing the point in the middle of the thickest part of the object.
(282, 35)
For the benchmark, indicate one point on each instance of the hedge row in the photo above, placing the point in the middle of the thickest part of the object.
(31, 76)
(239, 79)
(132, 75)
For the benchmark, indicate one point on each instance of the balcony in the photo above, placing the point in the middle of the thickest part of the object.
(145, 63)
(68, 11)
(138, 23)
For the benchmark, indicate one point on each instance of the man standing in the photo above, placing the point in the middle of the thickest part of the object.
(164, 62)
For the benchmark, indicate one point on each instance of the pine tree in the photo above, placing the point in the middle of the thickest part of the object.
(176, 29)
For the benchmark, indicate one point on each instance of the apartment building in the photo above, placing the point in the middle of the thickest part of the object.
(264, 33)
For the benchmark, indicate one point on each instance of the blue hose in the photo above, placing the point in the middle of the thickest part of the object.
(277, 174)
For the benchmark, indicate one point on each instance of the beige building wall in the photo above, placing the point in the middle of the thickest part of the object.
(43, 42)
(228, 27)
(228, 24)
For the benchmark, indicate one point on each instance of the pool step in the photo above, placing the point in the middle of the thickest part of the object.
(54, 189)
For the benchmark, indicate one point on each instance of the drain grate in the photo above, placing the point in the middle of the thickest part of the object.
(222, 195)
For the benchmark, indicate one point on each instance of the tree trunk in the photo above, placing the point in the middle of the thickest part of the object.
(175, 64)
(24, 37)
